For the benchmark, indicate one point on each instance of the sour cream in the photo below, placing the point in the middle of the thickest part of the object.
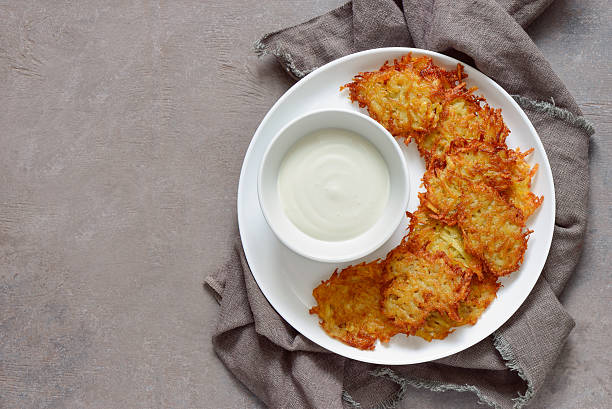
(333, 184)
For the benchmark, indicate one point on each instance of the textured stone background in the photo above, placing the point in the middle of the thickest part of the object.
(111, 116)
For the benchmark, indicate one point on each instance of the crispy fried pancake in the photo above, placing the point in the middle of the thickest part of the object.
(503, 169)
(519, 193)
(475, 162)
(348, 306)
(482, 293)
(481, 163)
(405, 97)
(493, 229)
(444, 191)
(417, 284)
(462, 117)
(415, 99)
(434, 236)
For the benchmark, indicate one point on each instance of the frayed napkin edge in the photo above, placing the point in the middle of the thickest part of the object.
(284, 58)
(554, 111)
(502, 346)
(404, 382)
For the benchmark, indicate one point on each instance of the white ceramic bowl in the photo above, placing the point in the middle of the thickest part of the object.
(333, 251)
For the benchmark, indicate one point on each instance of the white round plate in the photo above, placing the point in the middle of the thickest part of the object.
(287, 279)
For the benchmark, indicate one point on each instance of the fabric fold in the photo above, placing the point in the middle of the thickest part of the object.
(500, 48)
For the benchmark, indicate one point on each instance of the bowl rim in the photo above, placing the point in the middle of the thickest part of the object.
(390, 228)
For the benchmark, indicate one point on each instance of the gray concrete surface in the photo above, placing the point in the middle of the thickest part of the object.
(111, 114)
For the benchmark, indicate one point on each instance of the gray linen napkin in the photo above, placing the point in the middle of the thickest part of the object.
(283, 368)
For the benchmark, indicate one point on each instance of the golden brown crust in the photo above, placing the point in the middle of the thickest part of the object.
(476, 162)
(481, 163)
(348, 306)
(519, 193)
(415, 99)
(482, 293)
(417, 283)
(503, 169)
(444, 189)
(465, 117)
(406, 97)
(493, 230)
(434, 236)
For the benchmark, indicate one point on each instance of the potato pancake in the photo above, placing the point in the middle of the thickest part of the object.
(462, 117)
(503, 169)
(432, 235)
(405, 97)
(415, 99)
(417, 284)
(519, 193)
(444, 191)
(481, 163)
(493, 229)
(482, 293)
(348, 306)
(475, 162)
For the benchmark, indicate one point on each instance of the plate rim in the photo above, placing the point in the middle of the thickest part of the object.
(398, 50)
